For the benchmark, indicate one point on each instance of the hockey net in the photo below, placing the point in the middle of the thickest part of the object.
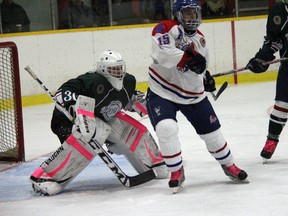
(11, 123)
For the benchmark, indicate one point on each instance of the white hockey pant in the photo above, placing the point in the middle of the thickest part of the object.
(218, 148)
(68, 161)
(133, 140)
(167, 133)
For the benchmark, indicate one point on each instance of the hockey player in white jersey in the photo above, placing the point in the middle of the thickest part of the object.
(97, 99)
(178, 79)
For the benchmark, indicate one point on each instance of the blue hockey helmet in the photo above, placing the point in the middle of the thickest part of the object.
(188, 13)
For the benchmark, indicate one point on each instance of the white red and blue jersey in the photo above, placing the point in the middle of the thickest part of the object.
(168, 76)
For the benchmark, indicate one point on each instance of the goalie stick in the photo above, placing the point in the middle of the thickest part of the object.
(245, 68)
(127, 181)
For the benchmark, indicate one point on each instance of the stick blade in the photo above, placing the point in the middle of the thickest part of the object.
(221, 90)
(142, 178)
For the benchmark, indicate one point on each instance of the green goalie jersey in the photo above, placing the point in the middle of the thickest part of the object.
(108, 101)
(277, 30)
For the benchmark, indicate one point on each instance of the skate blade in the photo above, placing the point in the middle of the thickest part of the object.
(178, 189)
(245, 181)
(37, 191)
(264, 160)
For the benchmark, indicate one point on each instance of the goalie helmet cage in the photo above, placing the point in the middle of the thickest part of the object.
(11, 121)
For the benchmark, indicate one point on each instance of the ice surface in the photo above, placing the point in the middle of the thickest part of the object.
(244, 114)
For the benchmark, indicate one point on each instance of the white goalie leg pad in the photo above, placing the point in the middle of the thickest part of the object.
(102, 131)
(63, 165)
(167, 133)
(133, 140)
(218, 148)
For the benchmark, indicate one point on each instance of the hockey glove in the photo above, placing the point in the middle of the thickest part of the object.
(196, 62)
(209, 82)
(137, 103)
(136, 97)
(258, 63)
(192, 60)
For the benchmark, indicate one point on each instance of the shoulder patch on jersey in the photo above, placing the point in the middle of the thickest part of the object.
(202, 41)
(277, 20)
(199, 32)
(159, 28)
(100, 89)
(163, 26)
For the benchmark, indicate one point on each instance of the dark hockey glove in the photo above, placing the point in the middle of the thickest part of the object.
(209, 82)
(196, 62)
(257, 64)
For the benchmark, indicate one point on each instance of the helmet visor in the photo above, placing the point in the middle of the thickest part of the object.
(117, 71)
(190, 17)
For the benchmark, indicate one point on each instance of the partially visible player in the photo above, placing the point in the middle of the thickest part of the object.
(274, 41)
(178, 79)
(105, 92)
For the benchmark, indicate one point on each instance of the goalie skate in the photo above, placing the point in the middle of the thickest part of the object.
(176, 180)
(42, 190)
(235, 174)
(44, 186)
(37, 191)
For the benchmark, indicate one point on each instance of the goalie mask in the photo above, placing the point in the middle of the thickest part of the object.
(112, 66)
(188, 13)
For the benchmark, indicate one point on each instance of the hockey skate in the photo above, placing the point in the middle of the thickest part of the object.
(176, 180)
(44, 187)
(235, 174)
(37, 191)
(268, 149)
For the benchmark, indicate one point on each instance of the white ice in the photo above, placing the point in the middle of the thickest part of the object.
(243, 111)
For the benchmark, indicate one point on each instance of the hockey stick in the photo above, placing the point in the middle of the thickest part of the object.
(225, 84)
(245, 68)
(127, 181)
(220, 91)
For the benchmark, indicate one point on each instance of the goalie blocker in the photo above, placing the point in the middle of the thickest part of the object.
(126, 136)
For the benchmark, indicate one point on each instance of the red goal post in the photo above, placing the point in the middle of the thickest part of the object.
(11, 120)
